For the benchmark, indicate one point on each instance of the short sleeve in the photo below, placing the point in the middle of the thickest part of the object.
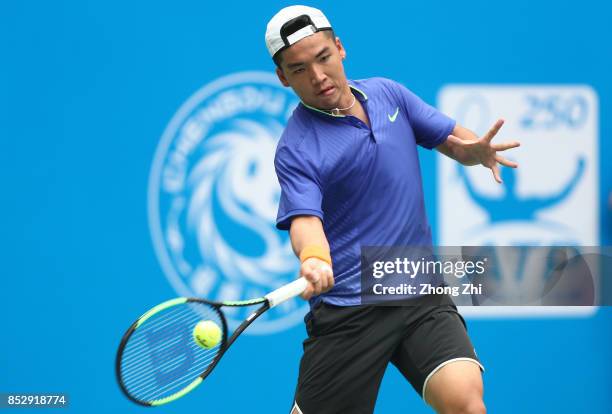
(300, 190)
(431, 127)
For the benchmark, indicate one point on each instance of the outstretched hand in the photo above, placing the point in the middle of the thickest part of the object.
(482, 151)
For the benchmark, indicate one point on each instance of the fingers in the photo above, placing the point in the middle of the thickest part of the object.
(494, 130)
(505, 145)
(328, 277)
(319, 275)
(323, 281)
(308, 292)
(496, 174)
(505, 162)
(311, 288)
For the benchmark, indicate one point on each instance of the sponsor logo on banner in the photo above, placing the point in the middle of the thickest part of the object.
(551, 199)
(213, 197)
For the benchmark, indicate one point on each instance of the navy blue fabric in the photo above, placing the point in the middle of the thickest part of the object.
(363, 182)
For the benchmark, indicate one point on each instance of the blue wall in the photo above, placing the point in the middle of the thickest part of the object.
(86, 90)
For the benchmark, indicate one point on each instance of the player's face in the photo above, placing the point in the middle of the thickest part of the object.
(313, 68)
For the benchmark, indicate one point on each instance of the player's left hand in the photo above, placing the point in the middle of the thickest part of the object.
(482, 151)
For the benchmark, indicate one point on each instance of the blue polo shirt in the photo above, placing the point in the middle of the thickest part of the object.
(364, 183)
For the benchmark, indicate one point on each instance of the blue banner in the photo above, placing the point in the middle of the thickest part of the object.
(136, 166)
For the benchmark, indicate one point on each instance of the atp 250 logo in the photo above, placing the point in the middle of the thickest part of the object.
(552, 199)
(213, 196)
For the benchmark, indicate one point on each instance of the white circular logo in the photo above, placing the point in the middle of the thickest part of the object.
(213, 197)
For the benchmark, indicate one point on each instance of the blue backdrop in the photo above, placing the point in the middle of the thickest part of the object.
(86, 90)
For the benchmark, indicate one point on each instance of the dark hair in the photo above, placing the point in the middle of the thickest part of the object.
(329, 33)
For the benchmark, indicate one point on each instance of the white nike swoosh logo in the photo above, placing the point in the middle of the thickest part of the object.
(392, 117)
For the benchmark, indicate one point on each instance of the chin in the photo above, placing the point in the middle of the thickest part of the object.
(328, 103)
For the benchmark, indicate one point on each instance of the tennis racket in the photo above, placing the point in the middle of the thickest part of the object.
(158, 361)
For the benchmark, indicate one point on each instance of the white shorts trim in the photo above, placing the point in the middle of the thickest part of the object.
(296, 407)
(443, 364)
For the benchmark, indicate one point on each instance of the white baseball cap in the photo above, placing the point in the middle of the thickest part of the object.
(292, 24)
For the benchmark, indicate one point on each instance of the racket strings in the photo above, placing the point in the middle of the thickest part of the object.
(161, 357)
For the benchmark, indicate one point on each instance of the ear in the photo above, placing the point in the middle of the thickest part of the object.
(340, 48)
(281, 77)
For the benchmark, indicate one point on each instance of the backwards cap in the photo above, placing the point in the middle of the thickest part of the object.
(292, 24)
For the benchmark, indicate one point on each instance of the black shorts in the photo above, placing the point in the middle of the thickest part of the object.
(349, 348)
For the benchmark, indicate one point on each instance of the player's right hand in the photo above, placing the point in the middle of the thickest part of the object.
(319, 275)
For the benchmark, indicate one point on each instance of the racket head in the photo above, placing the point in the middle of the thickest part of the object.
(158, 360)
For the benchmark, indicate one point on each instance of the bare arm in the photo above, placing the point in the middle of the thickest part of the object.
(308, 231)
(467, 148)
(456, 151)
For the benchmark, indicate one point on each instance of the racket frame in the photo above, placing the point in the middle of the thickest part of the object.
(271, 300)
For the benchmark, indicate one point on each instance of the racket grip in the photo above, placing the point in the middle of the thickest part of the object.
(286, 292)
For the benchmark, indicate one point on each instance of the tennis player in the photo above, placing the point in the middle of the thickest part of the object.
(349, 174)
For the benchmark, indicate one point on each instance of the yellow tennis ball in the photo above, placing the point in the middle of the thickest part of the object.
(206, 334)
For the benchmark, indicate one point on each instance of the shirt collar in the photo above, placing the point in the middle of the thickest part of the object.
(359, 94)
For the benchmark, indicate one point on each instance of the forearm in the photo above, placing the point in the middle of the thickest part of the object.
(307, 231)
(455, 151)
(310, 244)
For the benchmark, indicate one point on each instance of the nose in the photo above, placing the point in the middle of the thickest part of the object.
(317, 75)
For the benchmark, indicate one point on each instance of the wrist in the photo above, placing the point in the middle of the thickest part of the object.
(316, 251)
